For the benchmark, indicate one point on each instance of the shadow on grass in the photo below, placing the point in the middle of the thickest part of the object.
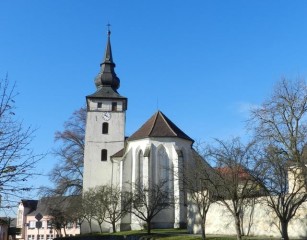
(157, 234)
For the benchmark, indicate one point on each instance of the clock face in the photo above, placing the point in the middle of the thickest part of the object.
(106, 116)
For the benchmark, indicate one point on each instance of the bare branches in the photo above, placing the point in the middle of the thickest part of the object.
(234, 182)
(282, 118)
(280, 126)
(67, 174)
(104, 204)
(17, 160)
(147, 201)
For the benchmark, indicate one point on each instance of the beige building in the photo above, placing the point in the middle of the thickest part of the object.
(28, 212)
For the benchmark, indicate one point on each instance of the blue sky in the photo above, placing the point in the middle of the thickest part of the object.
(202, 63)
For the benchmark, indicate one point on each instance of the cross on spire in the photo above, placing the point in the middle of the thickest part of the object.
(109, 31)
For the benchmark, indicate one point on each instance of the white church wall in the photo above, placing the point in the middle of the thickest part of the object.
(153, 169)
(180, 201)
(262, 223)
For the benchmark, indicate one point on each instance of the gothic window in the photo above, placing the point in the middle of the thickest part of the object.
(114, 106)
(105, 128)
(104, 154)
(163, 166)
(139, 168)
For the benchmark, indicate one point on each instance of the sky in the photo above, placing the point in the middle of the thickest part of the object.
(202, 63)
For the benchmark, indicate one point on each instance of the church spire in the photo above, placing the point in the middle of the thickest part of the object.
(107, 75)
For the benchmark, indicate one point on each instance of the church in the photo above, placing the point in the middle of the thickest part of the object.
(154, 152)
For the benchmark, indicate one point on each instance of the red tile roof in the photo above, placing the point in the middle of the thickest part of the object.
(229, 172)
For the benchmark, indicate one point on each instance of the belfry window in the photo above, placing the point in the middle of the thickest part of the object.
(104, 155)
(105, 128)
(114, 106)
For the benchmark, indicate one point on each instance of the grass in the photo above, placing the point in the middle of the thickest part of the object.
(172, 234)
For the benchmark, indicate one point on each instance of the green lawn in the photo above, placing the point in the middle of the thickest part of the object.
(175, 234)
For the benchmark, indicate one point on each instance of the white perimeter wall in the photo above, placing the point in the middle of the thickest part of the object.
(264, 222)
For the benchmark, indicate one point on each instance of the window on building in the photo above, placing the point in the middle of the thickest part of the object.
(40, 237)
(114, 106)
(31, 237)
(99, 105)
(139, 169)
(70, 225)
(164, 167)
(43, 224)
(49, 224)
(105, 128)
(104, 155)
(49, 237)
(31, 224)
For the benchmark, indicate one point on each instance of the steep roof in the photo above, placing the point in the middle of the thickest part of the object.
(107, 75)
(120, 153)
(107, 81)
(31, 204)
(42, 206)
(159, 126)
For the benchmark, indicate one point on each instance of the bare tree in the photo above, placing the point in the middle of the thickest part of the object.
(89, 206)
(17, 160)
(115, 205)
(99, 205)
(62, 211)
(104, 204)
(280, 124)
(283, 182)
(147, 201)
(234, 182)
(67, 174)
(195, 178)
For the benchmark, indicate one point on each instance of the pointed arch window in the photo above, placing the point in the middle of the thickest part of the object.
(104, 155)
(163, 160)
(105, 128)
(139, 169)
(163, 163)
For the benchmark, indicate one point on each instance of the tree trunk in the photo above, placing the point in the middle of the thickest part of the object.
(203, 229)
(238, 227)
(284, 230)
(114, 226)
(90, 225)
(148, 228)
(203, 232)
(100, 227)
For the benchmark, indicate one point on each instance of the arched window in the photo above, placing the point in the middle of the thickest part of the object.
(104, 155)
(105, 128)
(163, 162)
(139, 168)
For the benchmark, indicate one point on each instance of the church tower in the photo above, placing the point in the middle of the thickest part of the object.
(105, 126)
